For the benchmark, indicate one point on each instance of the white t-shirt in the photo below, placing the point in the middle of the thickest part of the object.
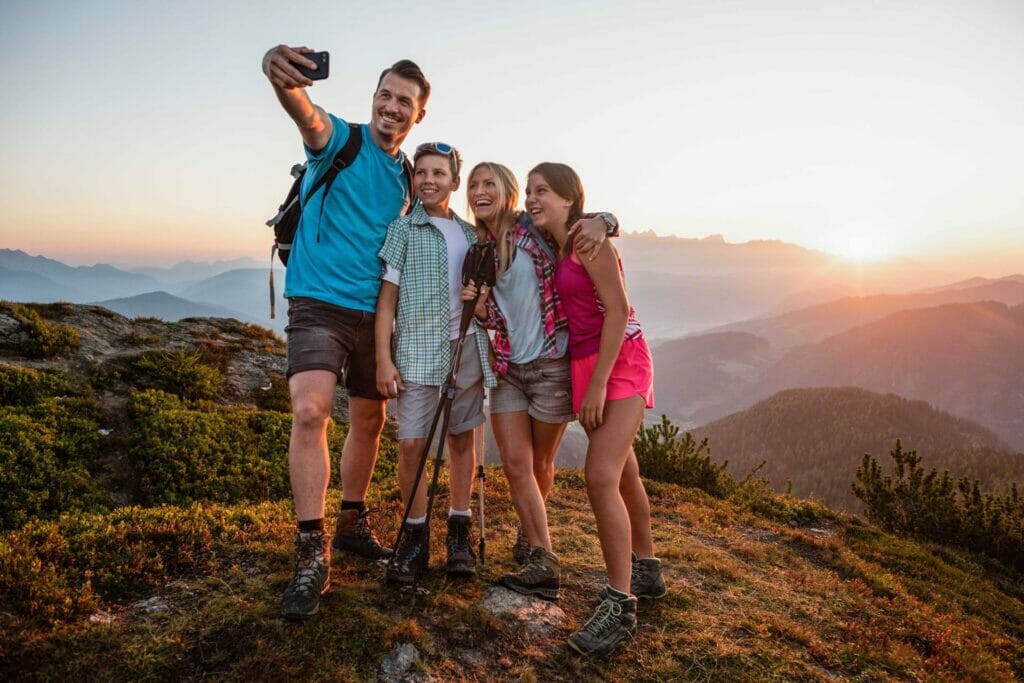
(457, 244)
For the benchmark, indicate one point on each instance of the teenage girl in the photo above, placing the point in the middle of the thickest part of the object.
(612, 384)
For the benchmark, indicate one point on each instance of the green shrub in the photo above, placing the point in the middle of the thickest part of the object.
(180, 373)
(26, 387)
(185, 452)
(45, 453)
(55, 571)
(275, 397)
(44, 339)
(665, 456)
(926, 505)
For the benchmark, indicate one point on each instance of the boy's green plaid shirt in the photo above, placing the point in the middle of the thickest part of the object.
(422, 351)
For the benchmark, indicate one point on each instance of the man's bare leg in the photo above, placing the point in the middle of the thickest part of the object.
(309, 466)
(358, 457)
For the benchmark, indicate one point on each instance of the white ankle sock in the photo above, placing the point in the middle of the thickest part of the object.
(452, 512)
(416, 521)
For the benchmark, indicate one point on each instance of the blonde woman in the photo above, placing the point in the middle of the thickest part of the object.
(532, 403)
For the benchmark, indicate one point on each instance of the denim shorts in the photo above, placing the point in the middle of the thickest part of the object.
(418, 403)
(322, 336)
(541, 387)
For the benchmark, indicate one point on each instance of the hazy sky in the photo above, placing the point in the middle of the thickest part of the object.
(146, 131)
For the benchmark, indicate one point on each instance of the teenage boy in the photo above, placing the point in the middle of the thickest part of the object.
(332, 283)
(422, 287)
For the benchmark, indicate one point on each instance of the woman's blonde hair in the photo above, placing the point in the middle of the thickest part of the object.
(506, 215)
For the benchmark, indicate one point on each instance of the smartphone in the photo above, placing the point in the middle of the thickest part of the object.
(323, 66)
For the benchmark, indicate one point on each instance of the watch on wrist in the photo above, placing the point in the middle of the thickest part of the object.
(611, 223)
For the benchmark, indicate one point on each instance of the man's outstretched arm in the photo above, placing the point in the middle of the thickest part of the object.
(290, 87)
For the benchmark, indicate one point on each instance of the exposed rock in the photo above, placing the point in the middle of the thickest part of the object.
(535, 616)
(102, 618)
(153, 605)
(397, 666)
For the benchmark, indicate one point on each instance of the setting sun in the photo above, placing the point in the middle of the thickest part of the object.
(862, 242)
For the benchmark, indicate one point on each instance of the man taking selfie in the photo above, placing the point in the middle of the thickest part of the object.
(332, 283)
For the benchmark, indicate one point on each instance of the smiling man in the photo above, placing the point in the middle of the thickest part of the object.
(332, 283)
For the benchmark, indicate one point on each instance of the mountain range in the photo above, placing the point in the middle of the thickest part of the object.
(815, 438)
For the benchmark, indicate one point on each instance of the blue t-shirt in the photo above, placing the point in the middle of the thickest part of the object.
(334, 257)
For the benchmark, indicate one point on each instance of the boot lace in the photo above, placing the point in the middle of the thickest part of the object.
(607, 612)
(306, 556)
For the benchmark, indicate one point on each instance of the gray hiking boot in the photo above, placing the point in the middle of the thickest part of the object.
(521, 548)
(352, 534)
(301, 598)
(646, 581)
(613, 621)
(461, 558)
(539, 577)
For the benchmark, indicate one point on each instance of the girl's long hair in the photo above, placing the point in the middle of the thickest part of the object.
(506, 215)
(566, 184)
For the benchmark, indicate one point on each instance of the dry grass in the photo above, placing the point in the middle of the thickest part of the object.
(751, 599)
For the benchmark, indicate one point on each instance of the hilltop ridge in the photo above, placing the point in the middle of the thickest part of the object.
(178, 575)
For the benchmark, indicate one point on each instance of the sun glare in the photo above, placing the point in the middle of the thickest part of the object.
(862, 242)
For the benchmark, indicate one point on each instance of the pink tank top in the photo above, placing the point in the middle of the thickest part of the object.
(584, 309)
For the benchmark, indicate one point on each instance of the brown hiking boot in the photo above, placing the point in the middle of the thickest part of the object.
(352, 534)
(301, 598)
(521, 548)
(539, 577)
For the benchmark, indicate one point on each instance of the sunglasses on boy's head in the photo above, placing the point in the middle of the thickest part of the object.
(438, 148)
(444, 150)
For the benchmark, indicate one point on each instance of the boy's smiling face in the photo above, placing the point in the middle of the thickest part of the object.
(433, 182)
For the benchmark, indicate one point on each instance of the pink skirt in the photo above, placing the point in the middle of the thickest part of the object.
(632, 374)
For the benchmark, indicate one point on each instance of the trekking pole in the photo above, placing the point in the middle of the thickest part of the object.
(482, 476)
(478, 266)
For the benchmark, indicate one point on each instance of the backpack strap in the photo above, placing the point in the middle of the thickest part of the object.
(407, 169)
(342, 160)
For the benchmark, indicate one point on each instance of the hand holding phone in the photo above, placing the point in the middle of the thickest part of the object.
(323, 66)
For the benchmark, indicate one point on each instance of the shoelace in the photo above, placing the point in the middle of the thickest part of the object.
(305, 575)
(607, 611)
(361, 529)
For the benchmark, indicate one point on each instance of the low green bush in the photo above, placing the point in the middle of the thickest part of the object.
(52, 571)
(203, 451)
(181, 373)
(44, 339)
(45, 453)
(26, 387)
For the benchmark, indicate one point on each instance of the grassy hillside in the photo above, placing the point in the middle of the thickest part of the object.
(815, 438)
(184, 421)
(172, 593)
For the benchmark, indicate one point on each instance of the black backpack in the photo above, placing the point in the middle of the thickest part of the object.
(286, 222)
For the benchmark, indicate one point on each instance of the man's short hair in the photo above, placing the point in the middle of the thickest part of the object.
(408, 70)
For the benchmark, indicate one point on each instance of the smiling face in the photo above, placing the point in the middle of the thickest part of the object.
(433, 183)
(547, 208)
(396, 109)
(483, 195)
